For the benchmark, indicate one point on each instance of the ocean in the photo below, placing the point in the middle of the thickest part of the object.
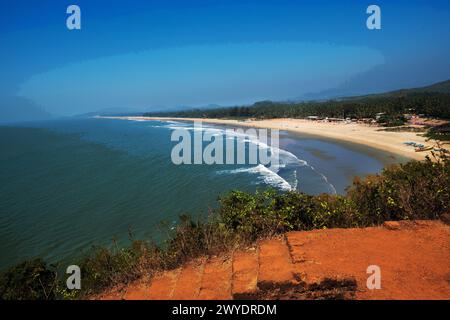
(67, 185)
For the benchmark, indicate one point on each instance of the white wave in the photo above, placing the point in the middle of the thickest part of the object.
(284, 156)
(333, 189)
(173, 121)
(173, 125)
(177, 127)
(231, 134)
(268, 176)
(137, 120)
(287, 159)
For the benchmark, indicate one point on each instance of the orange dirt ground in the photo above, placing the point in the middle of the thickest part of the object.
(414, 259)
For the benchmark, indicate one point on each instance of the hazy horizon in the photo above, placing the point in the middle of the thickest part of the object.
(146, 56)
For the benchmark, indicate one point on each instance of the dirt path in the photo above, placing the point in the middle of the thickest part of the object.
(414, 260)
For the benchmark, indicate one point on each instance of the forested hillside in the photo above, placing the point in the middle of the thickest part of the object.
(432, 101)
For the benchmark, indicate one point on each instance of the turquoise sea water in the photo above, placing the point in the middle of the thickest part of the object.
(69, 184)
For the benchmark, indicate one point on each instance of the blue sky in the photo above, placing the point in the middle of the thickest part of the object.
(145, 55)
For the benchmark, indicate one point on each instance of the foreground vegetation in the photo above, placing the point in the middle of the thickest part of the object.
(415, 190)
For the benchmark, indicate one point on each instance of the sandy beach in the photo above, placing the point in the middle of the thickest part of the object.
(372, 136)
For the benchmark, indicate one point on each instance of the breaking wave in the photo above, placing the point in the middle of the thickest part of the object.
(268, 176)
(287, 160)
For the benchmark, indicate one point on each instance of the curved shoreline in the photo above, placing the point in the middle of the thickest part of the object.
(370, 136)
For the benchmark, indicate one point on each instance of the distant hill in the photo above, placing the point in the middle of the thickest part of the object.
(442, 87)
(439, 87)
(345, 94)
(433, 101)
(110, 112)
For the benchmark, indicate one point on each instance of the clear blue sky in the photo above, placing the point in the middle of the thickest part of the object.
(160, 54)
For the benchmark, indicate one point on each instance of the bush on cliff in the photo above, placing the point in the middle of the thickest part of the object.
(415, 190)
(29, 280)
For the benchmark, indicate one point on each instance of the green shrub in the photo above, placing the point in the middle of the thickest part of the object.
(103, 267)
(415, 190)
(249, 216)
(29, 280)
(335, 212)
(195, 238)
(267, 213)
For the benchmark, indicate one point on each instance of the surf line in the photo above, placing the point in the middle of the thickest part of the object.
(220, 148)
